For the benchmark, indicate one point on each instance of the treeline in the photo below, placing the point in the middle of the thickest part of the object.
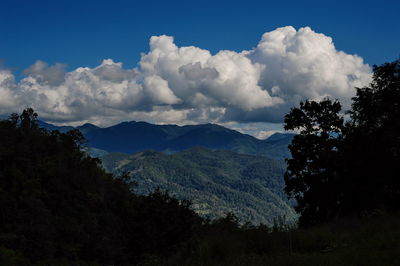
(59, 207)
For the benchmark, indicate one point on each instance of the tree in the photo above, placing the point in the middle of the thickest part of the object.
(378, 105)
(311, 176)
(341, 169)
(373, 142)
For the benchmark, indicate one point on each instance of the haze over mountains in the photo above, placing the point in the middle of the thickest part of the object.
(220, 170)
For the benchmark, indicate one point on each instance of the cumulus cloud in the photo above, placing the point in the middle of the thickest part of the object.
(227, 78)
(304, 64)
(158, 91)
(53, 75)
(8, 92)
(190, 85)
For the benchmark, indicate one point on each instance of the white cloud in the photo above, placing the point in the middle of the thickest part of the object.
(266, 134)
(8, 92)
(190, 85)
(158, 90)
(304, 64)
(53, 75)
(224, 80)
(259, 130)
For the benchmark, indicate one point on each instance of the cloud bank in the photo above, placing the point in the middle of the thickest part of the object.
(190, 85)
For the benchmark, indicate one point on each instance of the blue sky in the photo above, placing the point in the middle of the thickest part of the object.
(182, 60)
(82, 33)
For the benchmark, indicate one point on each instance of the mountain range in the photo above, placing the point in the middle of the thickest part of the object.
(132, 137)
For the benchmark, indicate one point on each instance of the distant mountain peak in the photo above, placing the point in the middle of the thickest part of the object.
(279, 136)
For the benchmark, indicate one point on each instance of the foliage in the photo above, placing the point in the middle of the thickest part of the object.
(59, 207)
(342, 169)
(217, 182)
(312, 172)
(372, 144)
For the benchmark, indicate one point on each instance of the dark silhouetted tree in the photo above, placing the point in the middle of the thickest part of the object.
(312, 176)
(349, 169)
(372, 143)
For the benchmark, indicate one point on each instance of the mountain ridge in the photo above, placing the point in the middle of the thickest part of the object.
(132, 137)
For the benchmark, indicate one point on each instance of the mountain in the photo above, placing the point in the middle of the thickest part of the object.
(51, 127)
(132, 137)
(216, 181)
(86, 128)
(277, 145)
(280, 137)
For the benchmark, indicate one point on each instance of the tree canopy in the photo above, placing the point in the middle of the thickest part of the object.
(57, 204)
(339, 168)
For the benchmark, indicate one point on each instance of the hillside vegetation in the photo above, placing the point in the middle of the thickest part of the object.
(217, 182)
(59, 207)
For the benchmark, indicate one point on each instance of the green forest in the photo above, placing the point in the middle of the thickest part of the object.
(216, 182)
(58, 206)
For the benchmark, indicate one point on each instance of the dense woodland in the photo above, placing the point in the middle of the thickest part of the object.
(59, 207)
(216, 181)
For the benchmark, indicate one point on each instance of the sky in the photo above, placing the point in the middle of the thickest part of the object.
(242, 64)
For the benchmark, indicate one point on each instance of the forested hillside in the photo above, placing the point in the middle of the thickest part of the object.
(59, 207)
(217, 182)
